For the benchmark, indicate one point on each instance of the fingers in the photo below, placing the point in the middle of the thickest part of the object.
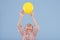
(22, 13)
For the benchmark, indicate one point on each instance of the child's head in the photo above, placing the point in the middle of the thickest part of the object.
(28, 27)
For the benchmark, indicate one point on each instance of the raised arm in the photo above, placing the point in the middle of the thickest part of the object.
(35, 28)
(20, 22)
(34, 20)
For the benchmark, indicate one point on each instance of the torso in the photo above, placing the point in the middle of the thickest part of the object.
(28, 36)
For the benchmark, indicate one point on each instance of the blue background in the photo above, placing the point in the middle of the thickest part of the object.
(47, 14)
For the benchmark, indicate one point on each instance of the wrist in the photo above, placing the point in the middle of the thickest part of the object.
(21, 17)
(32, 16)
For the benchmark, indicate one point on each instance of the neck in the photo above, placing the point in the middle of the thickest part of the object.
(28, 31)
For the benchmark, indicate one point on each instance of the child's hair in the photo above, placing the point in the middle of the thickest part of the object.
(29, 24)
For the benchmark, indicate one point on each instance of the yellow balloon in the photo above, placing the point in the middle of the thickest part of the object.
(28, 7)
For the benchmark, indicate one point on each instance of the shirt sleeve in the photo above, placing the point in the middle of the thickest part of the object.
(35, 30)
(20, 30)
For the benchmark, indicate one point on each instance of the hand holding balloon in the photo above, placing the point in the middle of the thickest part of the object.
(22, 13)
(32, 14)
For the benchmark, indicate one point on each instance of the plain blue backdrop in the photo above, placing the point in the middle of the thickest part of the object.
(47, 14)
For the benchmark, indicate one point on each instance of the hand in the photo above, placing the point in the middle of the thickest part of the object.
(22, 13)
(32, 14)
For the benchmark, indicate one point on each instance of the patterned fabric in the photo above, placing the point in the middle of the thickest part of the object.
(26, 35)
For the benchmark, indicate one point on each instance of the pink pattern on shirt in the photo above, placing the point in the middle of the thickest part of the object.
(28, 36)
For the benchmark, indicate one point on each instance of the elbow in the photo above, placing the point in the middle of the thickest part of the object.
(19, 26)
